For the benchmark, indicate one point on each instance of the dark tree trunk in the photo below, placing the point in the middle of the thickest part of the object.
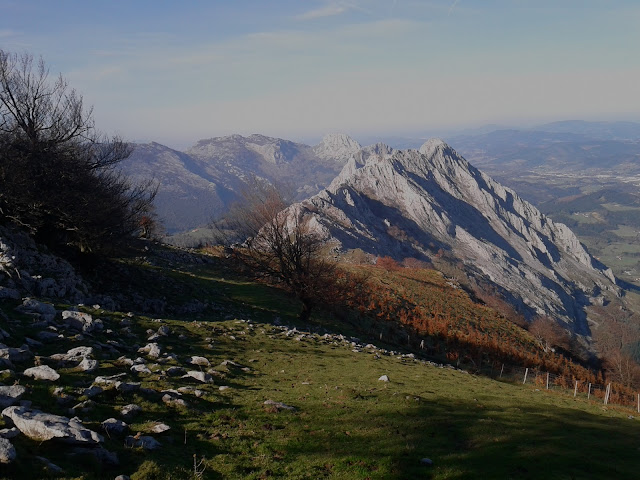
(307, 306)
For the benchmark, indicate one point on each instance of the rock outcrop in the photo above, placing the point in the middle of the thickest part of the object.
(431, 202)
(26, 268)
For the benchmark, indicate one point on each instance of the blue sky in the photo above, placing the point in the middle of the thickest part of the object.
(175, 72)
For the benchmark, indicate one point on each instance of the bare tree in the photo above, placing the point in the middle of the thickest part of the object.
(57, 172)
(549, 334)
(278, 244)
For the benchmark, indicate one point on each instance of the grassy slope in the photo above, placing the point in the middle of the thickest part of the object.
(347, 423)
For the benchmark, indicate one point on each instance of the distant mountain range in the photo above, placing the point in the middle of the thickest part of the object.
(199, 185)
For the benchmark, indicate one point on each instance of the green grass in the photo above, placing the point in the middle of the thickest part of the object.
(347, 424)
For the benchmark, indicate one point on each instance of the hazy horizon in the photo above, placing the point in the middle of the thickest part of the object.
(178, 72)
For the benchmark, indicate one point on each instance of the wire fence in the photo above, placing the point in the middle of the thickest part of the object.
(605, 393)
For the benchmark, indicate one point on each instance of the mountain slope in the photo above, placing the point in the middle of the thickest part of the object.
(302, 168)
(188, 194)
(432, 202)
(199, 185)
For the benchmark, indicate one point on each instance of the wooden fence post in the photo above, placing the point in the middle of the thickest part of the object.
(575, 390)
(547, 380)
(501, 370)
(525, 376)
(639, 403)
(422, 344)
(589, 392)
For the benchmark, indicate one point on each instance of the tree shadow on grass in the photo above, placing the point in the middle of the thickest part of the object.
(465, 440)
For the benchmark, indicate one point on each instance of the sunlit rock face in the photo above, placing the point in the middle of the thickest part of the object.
(413, 203)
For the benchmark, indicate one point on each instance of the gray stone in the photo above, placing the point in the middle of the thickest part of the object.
(42, 372)
(427, 462)
(114, 426)
(175, 371)
(100, 455)
(31, 305)
(81, 321)
(122, 477)
(10, 395)
(131, 410)
(110, 380)
(140, 368)
(173, 400)
(88, 365)
(144, 442)
(42, 426)
(9, 432)
(50, 466)
(383, 378)
(47, 336)
(83, 407)
(92, 391)
(151, 349)
(200, 361)
(7, 451)
(160, 428)
(279, 405)
(15, 355)
(199, 376)
(127, 387)
(191, 390)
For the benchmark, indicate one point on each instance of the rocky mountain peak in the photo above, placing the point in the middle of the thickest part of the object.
(432, 145)
(336, 146)
(410, 203)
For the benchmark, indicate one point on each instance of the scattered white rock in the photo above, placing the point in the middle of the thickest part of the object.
(127, 387)
(42, 372)
(110, 380)
(200, 361)
(92, 391)
(42, 426)
(160, 427)
(7, 451)
(279, 405)
(151, 349)
(173, 399)
(383, 378)
(114, 426)
(130, 410)
(88, 365)
(140, 368)
(144, 442)
(81, 321)
(199, 376)
(10, 395)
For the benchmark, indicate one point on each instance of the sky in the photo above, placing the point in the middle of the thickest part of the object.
(176, 72)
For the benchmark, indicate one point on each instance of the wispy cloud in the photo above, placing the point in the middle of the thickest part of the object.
(329, 11)
(7, 33)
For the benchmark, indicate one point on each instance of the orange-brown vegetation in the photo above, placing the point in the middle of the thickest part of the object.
(420, 306)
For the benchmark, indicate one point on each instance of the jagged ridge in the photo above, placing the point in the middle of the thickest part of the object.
(412, 203)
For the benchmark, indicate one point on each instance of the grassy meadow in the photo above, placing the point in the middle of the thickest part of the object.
(347, 424)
